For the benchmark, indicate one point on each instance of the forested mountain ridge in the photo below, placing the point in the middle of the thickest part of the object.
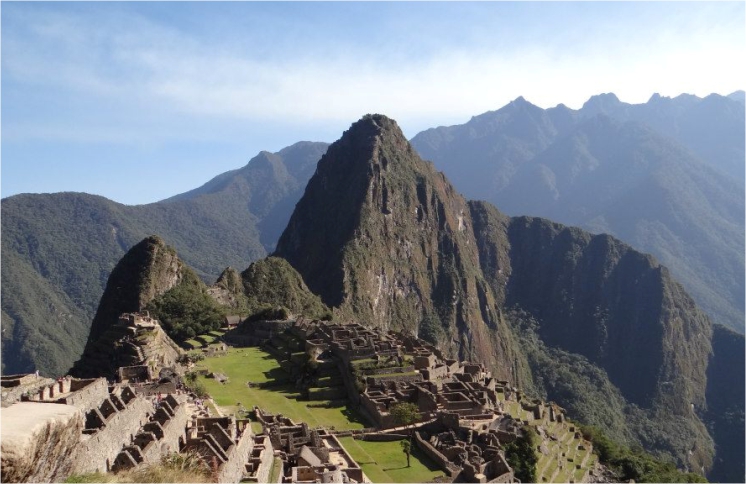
(58, 249)
(665, 176)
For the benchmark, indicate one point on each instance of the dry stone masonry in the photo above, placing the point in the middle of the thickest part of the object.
(465, 416)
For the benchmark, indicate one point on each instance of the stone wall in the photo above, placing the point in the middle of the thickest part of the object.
(98, 451)
(173, 432)
(261, 458)
(407, 378)
(29, 384)
(147, 389)
(9, 381)
(87, 394)
(238, 457)
(388, 371)
(433, 453)
(379, 437)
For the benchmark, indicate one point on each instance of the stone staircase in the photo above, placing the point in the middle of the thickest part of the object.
(147, 444)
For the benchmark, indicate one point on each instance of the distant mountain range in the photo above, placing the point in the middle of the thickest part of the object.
(667, 177)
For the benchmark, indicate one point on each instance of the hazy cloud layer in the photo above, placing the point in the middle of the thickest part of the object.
(143, 74)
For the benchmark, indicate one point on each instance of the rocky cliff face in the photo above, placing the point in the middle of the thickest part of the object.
(725, 404)
(228, 289)
(385, 238)
(598, 297)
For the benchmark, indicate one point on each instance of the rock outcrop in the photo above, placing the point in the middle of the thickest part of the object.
(37, 441)
(383, 236)
(148, 270)
(228, 289)
(136, 340)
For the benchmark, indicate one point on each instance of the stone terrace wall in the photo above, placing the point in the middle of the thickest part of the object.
(173, 430)
(87, 395)
(262, 456)
(98, 452)
(14, 393)
(238, 457)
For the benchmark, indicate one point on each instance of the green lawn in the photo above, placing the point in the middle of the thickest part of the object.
(385, 461)
(252, 364)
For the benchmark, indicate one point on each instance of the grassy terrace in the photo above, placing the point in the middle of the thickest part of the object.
(565, 443)
(243, 365)
(385, 461)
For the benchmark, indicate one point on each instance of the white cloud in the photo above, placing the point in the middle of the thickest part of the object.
(136, 62)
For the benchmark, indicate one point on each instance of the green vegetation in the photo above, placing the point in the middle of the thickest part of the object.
(588, 396)
(274, 474)
(186, 311)
(635, 463)
(382, 461)
(242, 365)
(521, 455)
(274, 288)
(406, 447)
(405, 414)
(59, 249)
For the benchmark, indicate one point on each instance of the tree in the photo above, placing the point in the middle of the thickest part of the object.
(405, 414)
(521, 455)
(406, 447)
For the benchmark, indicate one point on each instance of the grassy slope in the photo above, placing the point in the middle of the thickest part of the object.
(254, 365)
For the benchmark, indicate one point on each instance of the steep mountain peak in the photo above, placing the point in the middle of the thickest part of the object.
(147, 270)
(739, 96)
(656, 97)
(520, 101)
(601, 103)
(373, 130)
(370, 142)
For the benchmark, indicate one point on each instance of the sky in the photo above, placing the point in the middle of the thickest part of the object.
(139, 101)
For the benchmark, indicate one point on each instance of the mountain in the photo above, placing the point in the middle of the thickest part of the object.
(739, 96)
(666, 176)
(147, 271)
(58, 249)
(725, 404)
(383, 237)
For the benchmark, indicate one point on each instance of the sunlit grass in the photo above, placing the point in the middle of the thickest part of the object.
(242, 365)
(386, 462)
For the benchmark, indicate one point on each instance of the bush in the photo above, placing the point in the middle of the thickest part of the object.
(634, 464)
(521, 455)
(270, 313)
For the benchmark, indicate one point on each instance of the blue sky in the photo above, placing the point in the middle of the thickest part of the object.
(140, 101)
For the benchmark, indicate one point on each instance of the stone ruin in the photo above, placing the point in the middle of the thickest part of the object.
(308, 455)
(112, 426)
(466, 417)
